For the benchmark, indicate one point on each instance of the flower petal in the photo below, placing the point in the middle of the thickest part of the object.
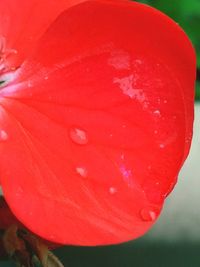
(23, 22)
(98, 126)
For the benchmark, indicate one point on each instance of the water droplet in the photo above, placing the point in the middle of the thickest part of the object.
(138, 61)
(126, 84)
(156, 112)
(162, 146)
(78, 136)
(112, 190)
(165, 101)
(3, 135)
(46, 77)
(120, 60)
(82, 171)
(156, 132)
(122, 156)
(30, 84)
(148, 214)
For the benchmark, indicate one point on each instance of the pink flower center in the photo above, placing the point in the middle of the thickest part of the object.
(6, 58)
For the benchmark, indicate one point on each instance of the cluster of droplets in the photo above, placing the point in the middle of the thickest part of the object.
(80, 137)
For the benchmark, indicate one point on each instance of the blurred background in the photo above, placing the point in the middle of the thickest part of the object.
(175, 238)
(187, 14)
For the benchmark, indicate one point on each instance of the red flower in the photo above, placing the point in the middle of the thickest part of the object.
(96, 112)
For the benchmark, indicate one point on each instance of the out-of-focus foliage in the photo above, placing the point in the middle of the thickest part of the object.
(187, 14)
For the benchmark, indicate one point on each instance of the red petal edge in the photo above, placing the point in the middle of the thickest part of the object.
(98, 123)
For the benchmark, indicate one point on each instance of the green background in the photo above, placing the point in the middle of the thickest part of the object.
(187, 14)
(146, 252)
(138, 253)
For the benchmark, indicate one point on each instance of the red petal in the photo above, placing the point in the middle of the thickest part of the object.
(23, 22)
(98, 126)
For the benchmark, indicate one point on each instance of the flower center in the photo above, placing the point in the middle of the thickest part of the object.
(6, 58)
(1, 83)
(7, 70)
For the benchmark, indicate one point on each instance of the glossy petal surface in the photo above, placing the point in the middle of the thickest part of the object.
(97, 123)
(23, 23)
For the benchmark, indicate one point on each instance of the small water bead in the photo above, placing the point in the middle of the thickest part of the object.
(156, 112)
(120, 60)
(78, 136)
(156, 132)
(127, 85)
(30, 84)
(82, 172)
(3, 135)
(122, 156)
(112, 190)
(138, 61)
(162, 146)
(148, 214)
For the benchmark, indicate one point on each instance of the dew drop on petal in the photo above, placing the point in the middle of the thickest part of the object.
(82, 171)
(78, 136)
(30, 84)
(112, 190)
(148, 214)
(122, 156)
(3, 135)
(120, 60)
(126, 84)
(156, 112)
(162, 146)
